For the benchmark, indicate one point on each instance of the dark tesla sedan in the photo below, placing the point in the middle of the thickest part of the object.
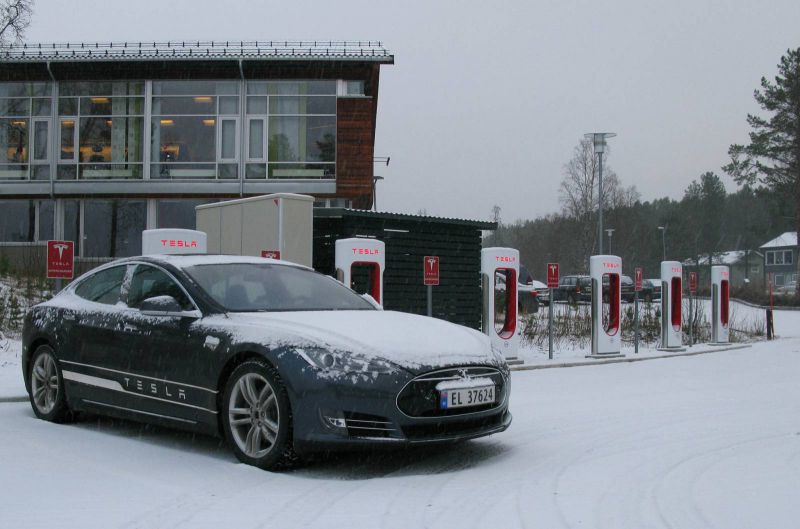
(277, 358)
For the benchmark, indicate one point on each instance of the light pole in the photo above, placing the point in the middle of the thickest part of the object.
(609, 231)
(375, 191)
(663, 242)
(599, 141)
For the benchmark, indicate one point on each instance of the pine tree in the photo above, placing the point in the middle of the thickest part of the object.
(772, 157)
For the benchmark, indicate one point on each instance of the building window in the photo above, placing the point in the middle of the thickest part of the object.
(778, 280)
(113, 228)
(291, 129)
(25, 112)
(178, 213)
(100, 130)
(26, 220)
(195, 128)
(780, 257)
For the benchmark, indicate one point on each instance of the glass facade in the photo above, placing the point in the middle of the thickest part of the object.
(195, 130)
(100, 130)
(25, 110)
(291, 129)
(178, 213)
(113, 228)
(198, 130)
(26, 220)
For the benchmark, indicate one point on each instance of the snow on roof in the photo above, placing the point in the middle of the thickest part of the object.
(182, 261)
(785, 239)
(723, 258)
(366, 51)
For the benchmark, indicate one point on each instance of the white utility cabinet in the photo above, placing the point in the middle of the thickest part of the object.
(260, 226)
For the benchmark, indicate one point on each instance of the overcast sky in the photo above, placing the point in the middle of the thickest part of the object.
(487, 100)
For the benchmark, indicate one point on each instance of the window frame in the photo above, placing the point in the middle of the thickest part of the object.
(195, 312)
(122, 288)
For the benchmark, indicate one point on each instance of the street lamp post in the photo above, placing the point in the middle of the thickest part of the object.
(375, 191)
(610, 232)
(599, 141)
(663, 230)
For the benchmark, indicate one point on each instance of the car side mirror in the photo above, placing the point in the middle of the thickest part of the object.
(165, 306)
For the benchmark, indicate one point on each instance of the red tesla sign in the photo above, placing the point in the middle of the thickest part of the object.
(60, 259)
(552, 275)
(271, 254)
(693, 282)
(431, 270)
(639, 278)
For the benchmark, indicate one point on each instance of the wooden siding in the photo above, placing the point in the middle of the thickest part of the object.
(458, 297)
(355, 139)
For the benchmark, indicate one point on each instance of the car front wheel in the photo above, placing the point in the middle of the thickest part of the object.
(47, 395)
(257, 416)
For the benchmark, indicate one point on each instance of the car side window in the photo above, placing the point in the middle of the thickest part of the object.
(104, 286)
(149, 281)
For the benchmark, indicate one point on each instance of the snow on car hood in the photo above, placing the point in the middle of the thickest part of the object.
(407, 340)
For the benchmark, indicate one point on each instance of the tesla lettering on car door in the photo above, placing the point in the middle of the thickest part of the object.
(91, 333)
(166, 350)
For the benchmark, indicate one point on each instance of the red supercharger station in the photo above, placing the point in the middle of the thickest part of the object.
(671, 306)
(366, 253)
(606, 275)
(500, 273)
(720, 304)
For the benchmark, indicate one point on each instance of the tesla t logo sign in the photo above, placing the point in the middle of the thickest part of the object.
(271, 254)
(639, 275)
(552, 275)
(693, 282)
(60, 259)
(431, 270)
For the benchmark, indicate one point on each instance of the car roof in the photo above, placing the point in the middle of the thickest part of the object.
(186, 260)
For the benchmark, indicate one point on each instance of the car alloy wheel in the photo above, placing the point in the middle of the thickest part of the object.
(254, 415)
(257, 416)
(47, 386)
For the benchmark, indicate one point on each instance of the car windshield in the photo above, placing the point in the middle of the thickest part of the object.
(252, 287)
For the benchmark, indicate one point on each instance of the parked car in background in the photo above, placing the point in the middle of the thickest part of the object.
(573, 288)
(627, 289)
(651, 290)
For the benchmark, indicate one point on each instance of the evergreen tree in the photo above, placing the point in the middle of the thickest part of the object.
(772, 158)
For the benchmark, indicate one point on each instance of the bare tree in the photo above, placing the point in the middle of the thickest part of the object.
(15, 17)
(578, 193)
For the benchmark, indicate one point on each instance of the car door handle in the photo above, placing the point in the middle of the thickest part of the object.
(130, 328)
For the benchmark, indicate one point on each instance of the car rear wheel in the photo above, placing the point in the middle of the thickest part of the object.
(47, 395)
(257, 416)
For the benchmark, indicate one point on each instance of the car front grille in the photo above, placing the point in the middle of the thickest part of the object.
(365, 425)
(420, 398)
(434, 429)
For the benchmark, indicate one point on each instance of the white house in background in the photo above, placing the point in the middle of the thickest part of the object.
(746, 267)
(780, 258)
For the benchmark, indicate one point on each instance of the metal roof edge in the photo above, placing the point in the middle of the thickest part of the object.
(347, 212)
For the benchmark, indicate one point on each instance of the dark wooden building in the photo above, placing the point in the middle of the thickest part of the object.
(408, 239)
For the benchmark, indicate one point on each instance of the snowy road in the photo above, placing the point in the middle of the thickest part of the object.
(693, 442)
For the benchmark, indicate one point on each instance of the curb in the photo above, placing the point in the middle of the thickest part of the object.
(4, 400)
(624, 360)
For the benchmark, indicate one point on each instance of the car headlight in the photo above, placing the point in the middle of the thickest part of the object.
(345, 362)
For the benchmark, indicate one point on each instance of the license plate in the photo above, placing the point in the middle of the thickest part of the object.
(463, 398)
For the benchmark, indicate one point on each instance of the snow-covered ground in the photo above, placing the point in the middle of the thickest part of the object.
(701, 441)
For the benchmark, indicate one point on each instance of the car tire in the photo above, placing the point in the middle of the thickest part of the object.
(257, 416)
(47, 394)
